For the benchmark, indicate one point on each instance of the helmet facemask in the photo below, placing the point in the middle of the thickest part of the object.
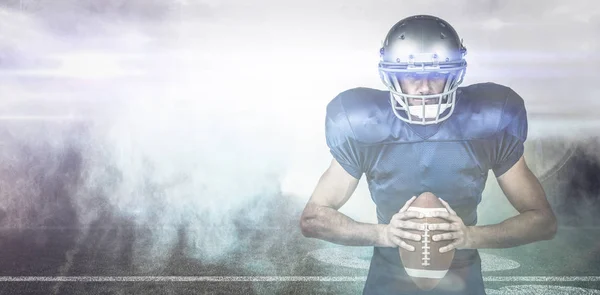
(424, 109)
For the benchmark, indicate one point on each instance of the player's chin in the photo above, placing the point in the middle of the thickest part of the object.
(419, 102)
(415, 118)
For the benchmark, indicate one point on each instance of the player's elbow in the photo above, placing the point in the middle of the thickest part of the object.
(313, 220)
(307, 227)
(307, 222)
(550, 224)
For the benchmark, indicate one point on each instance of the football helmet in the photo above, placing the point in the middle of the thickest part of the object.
(422, 45)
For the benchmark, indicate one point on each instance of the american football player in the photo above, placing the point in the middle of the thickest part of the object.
(426, 133)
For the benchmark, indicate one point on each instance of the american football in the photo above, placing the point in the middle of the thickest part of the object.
(426, 265)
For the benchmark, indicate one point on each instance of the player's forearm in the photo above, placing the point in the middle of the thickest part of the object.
(527, 227)
(333, 226)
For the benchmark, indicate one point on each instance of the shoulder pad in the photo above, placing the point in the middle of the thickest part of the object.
(367, 111)
(485, 109)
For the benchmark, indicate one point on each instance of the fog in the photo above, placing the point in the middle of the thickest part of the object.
(208, 117)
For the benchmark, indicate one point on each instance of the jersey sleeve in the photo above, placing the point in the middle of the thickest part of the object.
(511, 135)
(340, 138)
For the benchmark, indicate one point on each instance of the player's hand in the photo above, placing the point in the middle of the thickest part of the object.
(394, 233)
(456, 230)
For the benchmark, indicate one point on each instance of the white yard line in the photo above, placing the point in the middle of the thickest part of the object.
(269, 278)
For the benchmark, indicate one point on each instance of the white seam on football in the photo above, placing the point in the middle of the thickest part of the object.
(425, 246)
(428, 274)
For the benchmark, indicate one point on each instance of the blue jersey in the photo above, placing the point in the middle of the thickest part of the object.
(451, 159)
